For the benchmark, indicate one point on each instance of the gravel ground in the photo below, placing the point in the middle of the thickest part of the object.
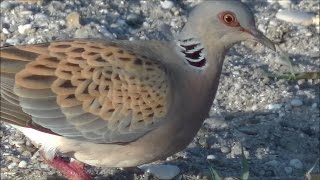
(275, 120)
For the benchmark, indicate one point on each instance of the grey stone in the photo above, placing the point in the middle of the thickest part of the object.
(134, 20)
(296, 102)
(225, 149)
(288, 170)
(5, 5)
(296, 163)
(161, 171)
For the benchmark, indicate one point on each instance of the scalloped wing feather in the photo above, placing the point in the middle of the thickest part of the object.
(84, 89)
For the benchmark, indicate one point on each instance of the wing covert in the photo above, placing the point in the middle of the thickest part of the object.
(89, 90)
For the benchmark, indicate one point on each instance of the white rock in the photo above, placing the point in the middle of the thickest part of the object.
(296, 163)
(12, 165)
(166, 4)
(146, 24)
(161, 171)
(271, 1)
(296, 102)
(297, 17)
(12, 41)
(254, 108)
(273, 106)
(5, 31)
(211, 157)
(285, 3)
(22, 29)
(44, 166)
(262, 28)
(309, 34)
(22, 164)
(31, 41)
(26, 13)
(40, 16)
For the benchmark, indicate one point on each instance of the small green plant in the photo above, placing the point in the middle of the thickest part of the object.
(214, 174)
(245, 169)
(284, 59)
(309, 176)
(245, 166)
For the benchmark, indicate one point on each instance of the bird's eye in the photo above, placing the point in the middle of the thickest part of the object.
(229, 19)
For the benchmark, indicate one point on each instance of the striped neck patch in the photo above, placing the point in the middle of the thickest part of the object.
(193, 52)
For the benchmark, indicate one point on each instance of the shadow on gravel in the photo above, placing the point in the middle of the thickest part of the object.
(279, 144)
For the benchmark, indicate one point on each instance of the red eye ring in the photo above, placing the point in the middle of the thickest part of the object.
(228, 18)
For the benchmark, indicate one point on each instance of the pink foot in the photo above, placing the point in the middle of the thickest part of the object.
(72, 170)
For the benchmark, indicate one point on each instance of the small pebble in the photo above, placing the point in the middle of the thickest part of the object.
(309, 34)
(161, 171)
(167, 4)
(254, 107)
(285, 3)
(26, 13)
(314, 106)
(134, 20)
(40, 16)
(262, 28)
(83, 32)
(225, 149)
(273, 106)
(211, 157)
(13, 41)
(3, 37)
(44, 166)
(296, 17)
(288, 170)
(273, 163)
(28, 142)
(301, 81)
(282, 114)
(236, 150)
(22, 164)
(73, 20)
(296, 102)
(296, 163)
(5, 31)
(13, 159)
(23, 29)
(12, 165)
(26, 154)
(5, 5)
(288, 107)
(237, 86)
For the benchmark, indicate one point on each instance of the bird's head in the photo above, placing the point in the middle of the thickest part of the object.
(224, 23)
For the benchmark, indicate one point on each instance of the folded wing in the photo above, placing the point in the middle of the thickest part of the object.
(88, 90)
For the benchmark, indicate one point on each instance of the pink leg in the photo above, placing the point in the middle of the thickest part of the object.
(72, 170)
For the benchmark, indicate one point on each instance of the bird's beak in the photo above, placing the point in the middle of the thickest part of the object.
(261, 38)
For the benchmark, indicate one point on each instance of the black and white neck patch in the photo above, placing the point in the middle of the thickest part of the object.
(193, 52)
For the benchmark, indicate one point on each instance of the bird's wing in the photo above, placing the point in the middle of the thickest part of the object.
(84, 89)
